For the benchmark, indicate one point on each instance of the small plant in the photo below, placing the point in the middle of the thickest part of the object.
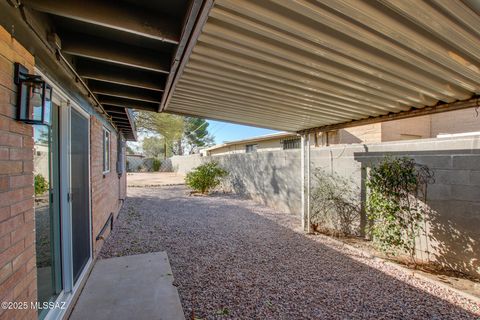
(156, 163)
(41, 185)
(206, 177)
(396, 204)
(335, 204)
(223, 312)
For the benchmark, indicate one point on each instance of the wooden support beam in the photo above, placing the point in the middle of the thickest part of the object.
(115, 52)
(90, 69)
(113, 109)
(442, 107)
(114, 15)
(120, 118)
(127, 103)
(115, 90)
(196, 18)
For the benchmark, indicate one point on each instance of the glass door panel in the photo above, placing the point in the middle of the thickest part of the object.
(47, 213)
(79, 197)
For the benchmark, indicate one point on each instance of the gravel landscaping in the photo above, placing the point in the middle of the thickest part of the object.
(234, 259)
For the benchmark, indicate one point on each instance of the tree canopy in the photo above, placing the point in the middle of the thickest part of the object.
(196, 134)
(153, 146)
(179, 134)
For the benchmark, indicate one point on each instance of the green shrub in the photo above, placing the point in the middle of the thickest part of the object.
(206, 177)
(396, 203)
(334, 204)
(156, 163)
(41, 185)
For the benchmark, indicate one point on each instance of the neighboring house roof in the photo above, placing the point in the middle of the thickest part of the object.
(271, 136)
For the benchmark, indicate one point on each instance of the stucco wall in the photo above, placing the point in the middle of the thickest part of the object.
(460, 121)
(453, 238)
(407, 129)
(371, 133)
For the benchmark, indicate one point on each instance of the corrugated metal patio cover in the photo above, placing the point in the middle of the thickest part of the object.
(293, 65)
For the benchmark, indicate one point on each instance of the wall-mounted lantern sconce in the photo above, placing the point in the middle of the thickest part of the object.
(34, 100)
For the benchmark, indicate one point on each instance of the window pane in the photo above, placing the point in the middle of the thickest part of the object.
(106, 150)
(47, 213)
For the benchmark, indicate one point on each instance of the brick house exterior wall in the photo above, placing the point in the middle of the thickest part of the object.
(17, 237)
(18, 272)
(108, 189)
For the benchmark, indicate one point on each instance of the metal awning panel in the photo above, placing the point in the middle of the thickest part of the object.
(295, 65)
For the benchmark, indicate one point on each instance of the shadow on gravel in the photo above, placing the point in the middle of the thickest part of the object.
(233, 259)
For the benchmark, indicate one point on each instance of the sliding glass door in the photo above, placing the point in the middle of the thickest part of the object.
(47, 211)
(79, 195)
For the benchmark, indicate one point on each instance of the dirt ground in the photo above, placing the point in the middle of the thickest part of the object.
(234, 259)
(152, 179)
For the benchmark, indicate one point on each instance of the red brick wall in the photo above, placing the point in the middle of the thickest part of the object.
(17, 247)
(107, 189)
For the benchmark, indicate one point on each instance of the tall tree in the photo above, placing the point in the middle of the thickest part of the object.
(179, 133)
(169, 126)
(196, 134)
(153, 146)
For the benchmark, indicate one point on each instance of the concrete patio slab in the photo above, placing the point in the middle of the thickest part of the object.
(130, 287)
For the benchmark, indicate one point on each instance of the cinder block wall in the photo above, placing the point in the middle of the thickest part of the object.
(108, 189)
(17, 248)
(453, 233)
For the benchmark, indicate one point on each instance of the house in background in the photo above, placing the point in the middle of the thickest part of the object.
(269, 142)
(430, 126)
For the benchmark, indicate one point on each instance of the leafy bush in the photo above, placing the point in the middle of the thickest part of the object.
(41, 185)
(396, 203)
(156, 163)
(206, 177)
(335, 204)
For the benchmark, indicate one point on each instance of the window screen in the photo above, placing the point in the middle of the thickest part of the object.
(291, 144)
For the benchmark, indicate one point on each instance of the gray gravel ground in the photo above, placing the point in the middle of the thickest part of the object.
(234, 259)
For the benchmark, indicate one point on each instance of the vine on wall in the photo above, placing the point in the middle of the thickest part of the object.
(396, 204)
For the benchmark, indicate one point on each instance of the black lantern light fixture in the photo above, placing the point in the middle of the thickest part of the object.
(34, 99)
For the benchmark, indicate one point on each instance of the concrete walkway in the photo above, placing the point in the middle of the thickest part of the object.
(131, 287)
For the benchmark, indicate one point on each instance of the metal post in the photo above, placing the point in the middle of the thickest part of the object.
(302, 168)
(307, 191)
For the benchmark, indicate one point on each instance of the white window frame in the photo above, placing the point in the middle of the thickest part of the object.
(106, 154)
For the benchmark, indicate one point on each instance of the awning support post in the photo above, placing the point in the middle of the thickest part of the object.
(305, 177)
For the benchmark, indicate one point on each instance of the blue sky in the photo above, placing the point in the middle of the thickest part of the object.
(224, 131)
